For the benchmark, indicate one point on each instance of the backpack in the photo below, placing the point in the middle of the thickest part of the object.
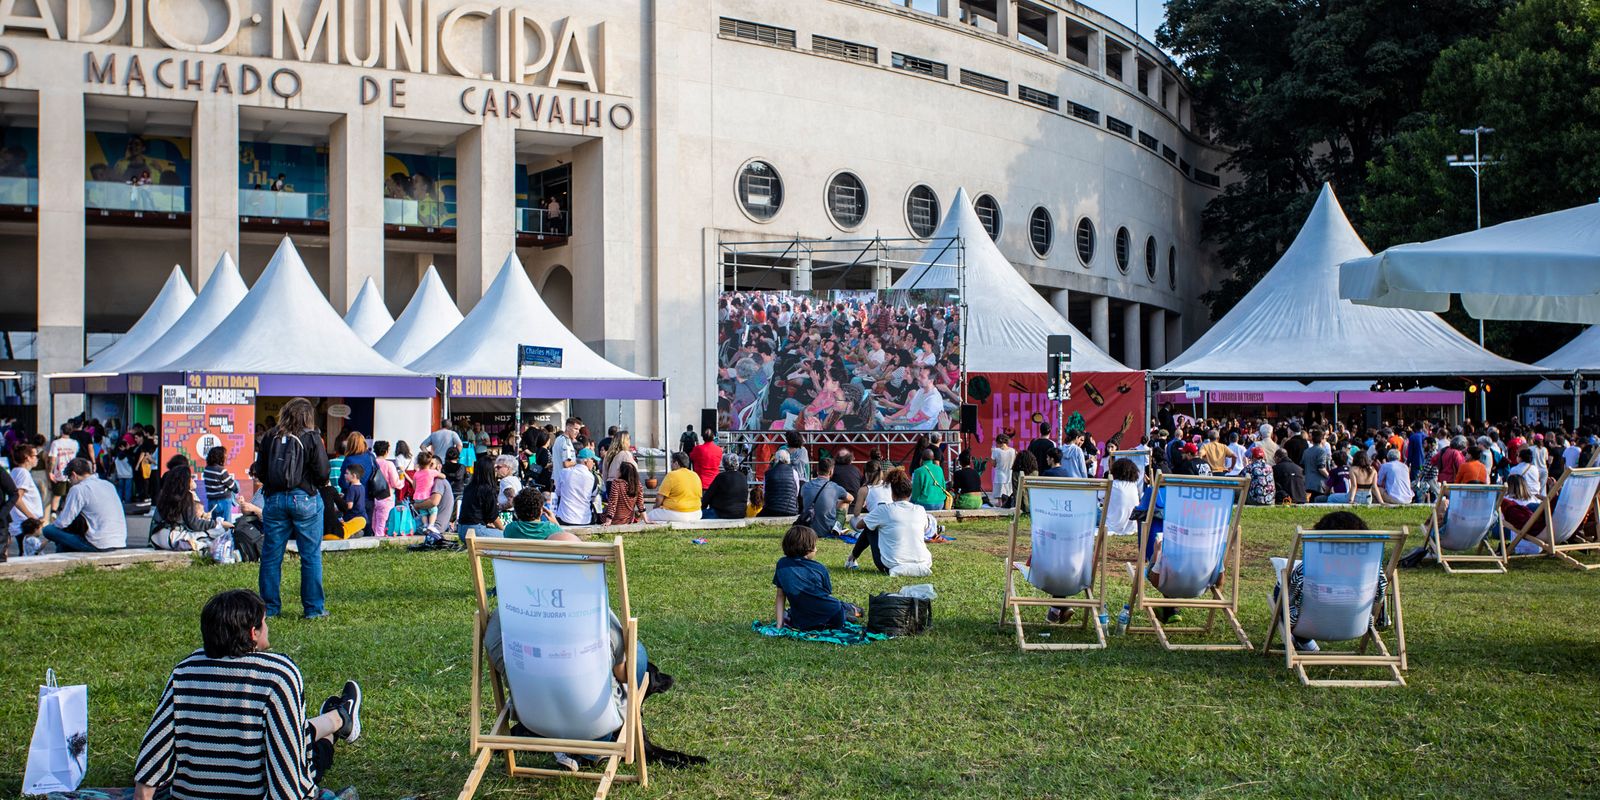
(247, 537)
(378, 485)
(285, 467)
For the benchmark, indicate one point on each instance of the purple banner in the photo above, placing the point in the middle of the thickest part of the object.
(558, 388)
(1246, 397)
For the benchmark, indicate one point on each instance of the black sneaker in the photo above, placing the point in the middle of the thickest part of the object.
(348, 704)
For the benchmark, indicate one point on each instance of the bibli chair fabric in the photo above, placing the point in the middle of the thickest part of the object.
(1193, 561)
(554, 606)
(1461, 537)
(1573, 500)
(1339, 602)
(1067, 547)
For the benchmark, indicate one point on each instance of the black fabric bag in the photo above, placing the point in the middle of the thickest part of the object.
(898, 616)
(378, 486)
(285, 463)
(247, 537)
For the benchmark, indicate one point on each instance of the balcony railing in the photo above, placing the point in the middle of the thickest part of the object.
(112, 196)
(282, 205)
(19, 191)
(543, 223)
(421, 214)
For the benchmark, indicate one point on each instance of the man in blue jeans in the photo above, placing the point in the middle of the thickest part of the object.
(291, 465)
(91, 517)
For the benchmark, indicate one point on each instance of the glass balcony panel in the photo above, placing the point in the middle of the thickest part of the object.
(113, 196)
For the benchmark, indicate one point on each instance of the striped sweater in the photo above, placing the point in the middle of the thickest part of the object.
(230, 727)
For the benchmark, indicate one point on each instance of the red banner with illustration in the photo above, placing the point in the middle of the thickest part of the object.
(1015, 403)
(194, 420)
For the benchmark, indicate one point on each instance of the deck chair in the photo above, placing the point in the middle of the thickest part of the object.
(1574, 497)
(1338, 586)
(554, 613)
(1068, 553)
(1140, 459)
(1474, 511)
(1200, 543)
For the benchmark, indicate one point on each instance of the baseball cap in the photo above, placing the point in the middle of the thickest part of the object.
(586, 453)
(1190, 448)
(1256, 452)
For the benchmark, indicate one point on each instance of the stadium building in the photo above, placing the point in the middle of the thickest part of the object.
(614, 145)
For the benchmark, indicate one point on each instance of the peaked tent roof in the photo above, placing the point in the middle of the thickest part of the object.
(284, 326)
(1294, 325)
(170, 304)
(1582, 354)
(510, 313)
(429, 317)
(223, 290)
(1007, 321)
(367, 316)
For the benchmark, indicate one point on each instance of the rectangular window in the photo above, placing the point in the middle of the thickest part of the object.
(756, 32)
(1117, 126)
(1038, 98)
(1149, 141)
(921, 66)
(1207, 178)
(1169, 154)
(988, 83)
(1083, 112)
(1185, 167)
(844, 49)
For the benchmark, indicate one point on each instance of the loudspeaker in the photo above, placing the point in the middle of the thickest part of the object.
(969, 418)
(708, 419)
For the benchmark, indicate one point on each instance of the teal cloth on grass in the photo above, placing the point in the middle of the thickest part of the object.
(851, 633)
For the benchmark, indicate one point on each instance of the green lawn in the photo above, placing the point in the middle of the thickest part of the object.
(1501, 701)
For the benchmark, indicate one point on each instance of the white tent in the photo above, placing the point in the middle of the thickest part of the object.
(1582, 354)
(171, 302)
(1294, 325)
(284, 325)
(1544, 268)
(429, 317)
(223, 290)
(367, 316)
(1007, 321)
(510, 313)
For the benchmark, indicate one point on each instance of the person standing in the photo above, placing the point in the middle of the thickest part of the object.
(707, 458)
(391, 476)
(576, 489)
(1072, 456)
(28, 505)
(1315, 461)
(62, 450)
(442, 439)
(291, 466)
(564, 451)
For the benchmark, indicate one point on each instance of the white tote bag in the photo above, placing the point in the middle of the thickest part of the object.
(59, 753)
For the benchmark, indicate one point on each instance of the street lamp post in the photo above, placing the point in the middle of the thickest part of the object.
(1476, 162)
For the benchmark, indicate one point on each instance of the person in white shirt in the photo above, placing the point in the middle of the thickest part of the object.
(1527, 468)
(30, 504)
(1572, 453)
(505, 471)
(1123, 499)
(575, 490)
(1241, 456)
(1394, 478)
(894, 531)
(92, 513)
(563, 451)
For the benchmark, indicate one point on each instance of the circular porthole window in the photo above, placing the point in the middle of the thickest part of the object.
(922, 211)
(1041, 231)
(760, 190)
(1124, 244)
(988, 210)
(1086, 241)
(1172, 268)
(847, 200)
(1150, 259)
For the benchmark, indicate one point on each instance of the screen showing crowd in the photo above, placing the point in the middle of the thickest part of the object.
(839, 360)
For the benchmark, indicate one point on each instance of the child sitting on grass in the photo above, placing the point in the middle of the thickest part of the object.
(31, 542)
(812, 606)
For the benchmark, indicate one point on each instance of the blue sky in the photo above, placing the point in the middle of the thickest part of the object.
(1150, 13)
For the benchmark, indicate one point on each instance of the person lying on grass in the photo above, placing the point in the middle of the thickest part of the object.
(232, 723)
(807, 586)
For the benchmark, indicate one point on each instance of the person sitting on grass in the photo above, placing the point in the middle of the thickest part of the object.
(353, 505)
(927, 482)
(91, 518)
(1331, 521)
(232, 721)
(532, 519)
(894, 532)
(678, 498)
(805, 583)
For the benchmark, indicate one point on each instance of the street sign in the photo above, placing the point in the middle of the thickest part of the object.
(535, 356)
(1191, 391)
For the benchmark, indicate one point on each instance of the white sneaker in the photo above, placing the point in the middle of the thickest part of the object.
(567, 761)
(851, 564)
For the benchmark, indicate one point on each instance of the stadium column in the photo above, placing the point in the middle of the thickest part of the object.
(1132, 347)
(1175, 344)
(1100, 322)
(605, 267)
(61, 266)
(1157, 333)
(950, 9)
(1007, 22)
(1060, 300)
(486, 207)
(355, 204)
(214, 182)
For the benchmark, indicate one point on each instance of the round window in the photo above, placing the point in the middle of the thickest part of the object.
(988, 210)
(1041, 231)
(847, 200)
(1124, 244)
(760, 190)
(1150, 259)
(922, 211)
(1086, 241)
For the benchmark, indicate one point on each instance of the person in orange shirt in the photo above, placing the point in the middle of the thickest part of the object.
(1472, 470)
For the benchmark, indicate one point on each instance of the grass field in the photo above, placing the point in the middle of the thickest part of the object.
(1501, 701)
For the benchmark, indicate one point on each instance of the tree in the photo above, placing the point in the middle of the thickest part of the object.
(1534, 78)
(1301, 92)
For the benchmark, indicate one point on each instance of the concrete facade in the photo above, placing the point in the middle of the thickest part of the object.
(655, 108)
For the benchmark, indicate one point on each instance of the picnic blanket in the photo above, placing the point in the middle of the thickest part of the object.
(851, 633)
(127, 794)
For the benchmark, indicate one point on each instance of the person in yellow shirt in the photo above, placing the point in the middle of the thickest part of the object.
(1216, 454)
(678, 499)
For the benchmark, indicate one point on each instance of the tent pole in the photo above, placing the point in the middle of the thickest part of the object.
(1149, 410)
(1336, 408)
(1577, 390)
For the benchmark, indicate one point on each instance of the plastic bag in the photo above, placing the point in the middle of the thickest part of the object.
(59, 753)
(922, 590)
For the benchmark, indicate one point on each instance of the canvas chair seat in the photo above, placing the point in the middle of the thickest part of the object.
(1471, 514)
(1200, 540)
(1338, 602)
(1067, 554)
(1574, 498)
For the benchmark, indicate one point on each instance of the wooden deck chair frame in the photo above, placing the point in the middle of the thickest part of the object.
(1484, 554)
(1561, 552)
(1093, 598)
(1224, 602)
(1393, 660)
(629, 745)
